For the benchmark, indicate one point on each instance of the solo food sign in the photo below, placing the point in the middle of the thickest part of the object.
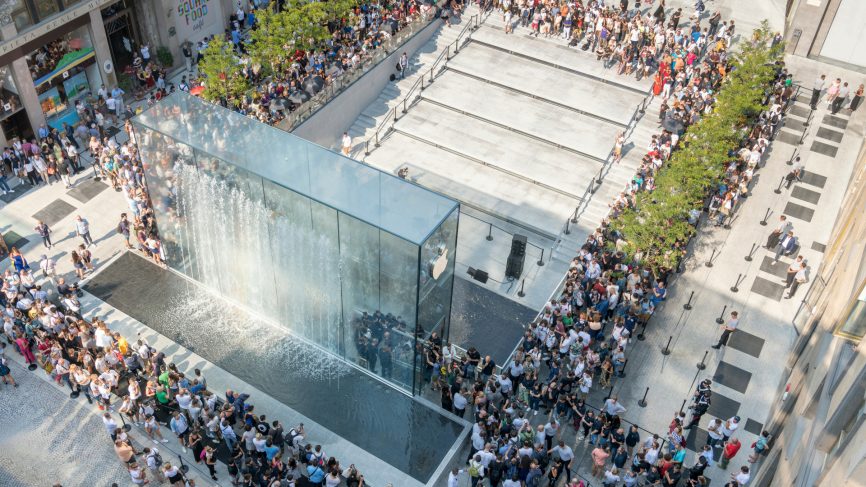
(197, 19)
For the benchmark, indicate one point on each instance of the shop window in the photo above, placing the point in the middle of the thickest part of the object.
(46, 8)
(20, 14)
(853, 326)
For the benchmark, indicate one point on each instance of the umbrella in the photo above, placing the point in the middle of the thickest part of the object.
(197, 90)
(299, 97)
(314, 84)
(673, 125)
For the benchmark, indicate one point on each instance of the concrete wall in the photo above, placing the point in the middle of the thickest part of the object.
(327, 125)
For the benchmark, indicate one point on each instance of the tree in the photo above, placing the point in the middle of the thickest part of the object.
(222, 69)
(658, 222)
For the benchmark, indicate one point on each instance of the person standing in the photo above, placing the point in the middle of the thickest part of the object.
(799, 278)
(833, 92)
(729, 327)
(785, 246)
(566, 455)
(82, 229)
(781, 229)
(729, 451)
(792, 271)
(856, 99)
(44, 232)
(404, 64)
(840, 98)
(346, 144)
(817, 88)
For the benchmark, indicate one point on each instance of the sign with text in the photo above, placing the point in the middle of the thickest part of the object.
(196, 19)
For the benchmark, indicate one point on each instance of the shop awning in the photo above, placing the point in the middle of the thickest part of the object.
(67, 62)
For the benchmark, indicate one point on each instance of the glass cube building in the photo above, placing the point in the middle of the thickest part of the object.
(354, 260)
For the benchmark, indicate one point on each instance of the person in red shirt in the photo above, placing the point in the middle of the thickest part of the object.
(730, 450)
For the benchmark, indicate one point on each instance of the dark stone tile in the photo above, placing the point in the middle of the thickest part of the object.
(804, 97)
(767, 288)
(828, 134)
(12, 239)
(746, 343)
(824, 149)
(479, 315)
(778, 269)
(813, 179)
(819, 247)
(17, 192)
(833, 121)
(804, 194)
(788, 137)
(696, 439)
(54, 212)
(87, 190)
(721, 406)
(800, 111)
(732, 377)
(793, 124)
(753, 426)
(799, 212)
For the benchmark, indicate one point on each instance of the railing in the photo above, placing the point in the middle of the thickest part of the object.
(419, 85)
(306, 109)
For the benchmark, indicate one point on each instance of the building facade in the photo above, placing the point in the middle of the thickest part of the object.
(828, 30)
(819, 422)
(54, 52)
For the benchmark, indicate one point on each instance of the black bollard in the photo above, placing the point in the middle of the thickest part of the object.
(721, 319)
(749, 255)
(126, 427)
(683, 407)
(702, 365)
(183, 468)
(790, 160)
(642, 402)
(709, 262)
(734, 288)
(609, 393)
(622, 371)
(779, 189)
(574, 215)
(521, 293)
(766, 215)
(598, 179)
(490, 232)
(688, 305)
(803, 137)
(667, 349)
(541, 259)
(567, 225)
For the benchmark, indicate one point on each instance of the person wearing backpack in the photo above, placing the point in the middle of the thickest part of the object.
(476, 470)
(154, 463)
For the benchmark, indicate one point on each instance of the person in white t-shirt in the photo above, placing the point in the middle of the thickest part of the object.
(346, 144)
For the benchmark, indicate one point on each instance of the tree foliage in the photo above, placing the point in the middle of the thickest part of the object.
(659, 220)
(222, 69)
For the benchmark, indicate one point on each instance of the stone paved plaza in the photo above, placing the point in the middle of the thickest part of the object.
(47, 438)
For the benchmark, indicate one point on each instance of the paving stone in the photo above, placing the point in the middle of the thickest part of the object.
(819, 247)
(788, 137)
(753, 427)
(778, 269)
(768, 288)
(833, 121)
(747, 343)
(824, 149)
(732, 377)
(828, 134)
(813, 179)
(799, 111)
(39, 421)
(799, 212)
(17, 192)
(696, 439)
(804, 194)
(721, 406)
(87, 190)
(54, 212)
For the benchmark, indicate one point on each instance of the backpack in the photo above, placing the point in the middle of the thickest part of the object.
(157, 459)
(474, 471)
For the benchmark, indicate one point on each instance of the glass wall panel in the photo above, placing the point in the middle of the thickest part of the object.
(295, 235)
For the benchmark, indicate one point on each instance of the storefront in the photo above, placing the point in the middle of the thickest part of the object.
(64, 70)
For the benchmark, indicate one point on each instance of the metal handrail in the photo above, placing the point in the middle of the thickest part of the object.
(419, 83)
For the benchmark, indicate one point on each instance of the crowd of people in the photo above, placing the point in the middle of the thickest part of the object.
(305, 73)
